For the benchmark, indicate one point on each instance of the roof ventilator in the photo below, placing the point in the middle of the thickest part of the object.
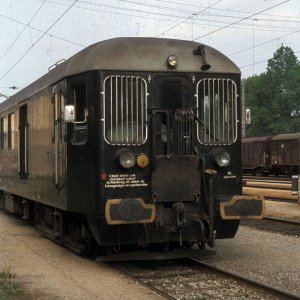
(56, 64)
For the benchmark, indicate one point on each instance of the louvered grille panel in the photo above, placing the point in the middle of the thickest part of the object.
(216, 111)
(125, 110)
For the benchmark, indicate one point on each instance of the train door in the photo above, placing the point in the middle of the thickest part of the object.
(23, 142)
(173, 124)
(173, 120)
(59, 136)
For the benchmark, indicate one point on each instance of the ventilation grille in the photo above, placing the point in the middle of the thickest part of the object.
(216, 111)
(125, 110)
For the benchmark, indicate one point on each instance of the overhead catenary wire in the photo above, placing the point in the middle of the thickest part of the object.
(264, 43)
(168, 15)
(283, 19)
(228, 10)
(189, 12)
(9, 87)
(26, 26)
(242, 19)
(262, 61)
(41, 31)
(172, 17)
(39, 38)
(189, 18)
(131, 15)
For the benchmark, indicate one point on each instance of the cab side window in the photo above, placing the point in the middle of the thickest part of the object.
(79, 100)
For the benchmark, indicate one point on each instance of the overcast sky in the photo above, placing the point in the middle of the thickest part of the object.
(37, 33)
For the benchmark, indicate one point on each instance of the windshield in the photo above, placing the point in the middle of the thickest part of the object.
(216, 111)
(125, 110)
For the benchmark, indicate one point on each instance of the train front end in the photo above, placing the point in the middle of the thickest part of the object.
(170, 151)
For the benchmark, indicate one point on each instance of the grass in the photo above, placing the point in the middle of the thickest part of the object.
(9, 289)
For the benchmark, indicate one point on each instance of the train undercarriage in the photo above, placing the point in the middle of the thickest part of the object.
(172, 228)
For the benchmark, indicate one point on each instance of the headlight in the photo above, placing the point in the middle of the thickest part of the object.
(172, 61)
(125, 158)
(221, 158)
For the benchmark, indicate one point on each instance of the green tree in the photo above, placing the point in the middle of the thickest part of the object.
(274, 96)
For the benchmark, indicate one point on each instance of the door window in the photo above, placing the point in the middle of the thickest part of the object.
(79, 100)
(23, 142)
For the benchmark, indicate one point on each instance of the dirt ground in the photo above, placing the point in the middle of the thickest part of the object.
(283, 210)
(47, 271)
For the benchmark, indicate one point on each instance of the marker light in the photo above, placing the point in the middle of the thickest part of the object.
(173, 61)
(125, 158)
(142, 160)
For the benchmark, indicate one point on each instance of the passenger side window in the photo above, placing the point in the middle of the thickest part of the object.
(11, 132)
(3, 132)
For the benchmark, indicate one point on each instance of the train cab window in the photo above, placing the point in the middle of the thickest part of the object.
(80, 102)
(216, 111)
(11, 133)
(79, 99)
(125, 110)
(3, 128)
(171, 95)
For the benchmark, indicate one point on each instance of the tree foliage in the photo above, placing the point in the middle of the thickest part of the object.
(274, 96)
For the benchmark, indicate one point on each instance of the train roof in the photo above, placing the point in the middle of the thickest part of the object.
(130, 54)
(256, 139)
(285, 137)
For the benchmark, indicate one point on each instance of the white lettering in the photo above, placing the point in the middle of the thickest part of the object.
(124, 181)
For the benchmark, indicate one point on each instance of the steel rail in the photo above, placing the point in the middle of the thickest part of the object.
(274, 224)
(270, 289)
(136, 279)
(282, 220)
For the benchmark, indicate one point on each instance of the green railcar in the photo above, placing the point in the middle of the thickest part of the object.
(130, 143)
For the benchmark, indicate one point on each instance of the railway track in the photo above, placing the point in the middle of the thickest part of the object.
(194, 279)
(275, 224)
